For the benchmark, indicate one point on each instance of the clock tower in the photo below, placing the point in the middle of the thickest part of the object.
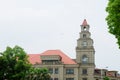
(85, 53)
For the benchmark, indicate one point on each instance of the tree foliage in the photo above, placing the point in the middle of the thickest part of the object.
(106, 78)
(14, 65)
(38, 74)
(113, 18)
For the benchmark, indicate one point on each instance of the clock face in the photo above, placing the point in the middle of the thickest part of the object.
(84, 59)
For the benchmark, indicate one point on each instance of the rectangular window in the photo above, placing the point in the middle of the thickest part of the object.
(50, 70)
(84, 71)
(69, 78)
(55, 78)
(56, 71)
(69, 71)
(84, 78)
(51, 78)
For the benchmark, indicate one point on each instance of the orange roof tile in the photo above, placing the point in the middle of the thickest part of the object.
(35, 58)
(84, 22)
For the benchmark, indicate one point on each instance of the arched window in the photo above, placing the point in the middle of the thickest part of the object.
(84, 59)
(84, 28)
(84, 35)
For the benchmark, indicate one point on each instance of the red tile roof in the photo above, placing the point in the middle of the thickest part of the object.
(84, 22)
(35, 58)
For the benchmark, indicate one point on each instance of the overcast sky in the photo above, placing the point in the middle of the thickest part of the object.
(40, 25)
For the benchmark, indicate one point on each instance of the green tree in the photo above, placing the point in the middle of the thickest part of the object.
(106, 78)
(38, 74)
(14, 64)
(2, 67)
(113, 18)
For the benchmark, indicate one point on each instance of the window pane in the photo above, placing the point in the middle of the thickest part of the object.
(55, 78)
(56, 71)
(84, 79)
(69, 71)
(50, 70)
(84, 71)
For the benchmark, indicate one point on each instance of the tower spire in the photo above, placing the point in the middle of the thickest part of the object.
(85, 26)
(84, 23)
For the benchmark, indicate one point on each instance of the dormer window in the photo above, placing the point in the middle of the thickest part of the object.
(51, 59)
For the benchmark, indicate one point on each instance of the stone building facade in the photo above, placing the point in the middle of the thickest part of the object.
(62, 67)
